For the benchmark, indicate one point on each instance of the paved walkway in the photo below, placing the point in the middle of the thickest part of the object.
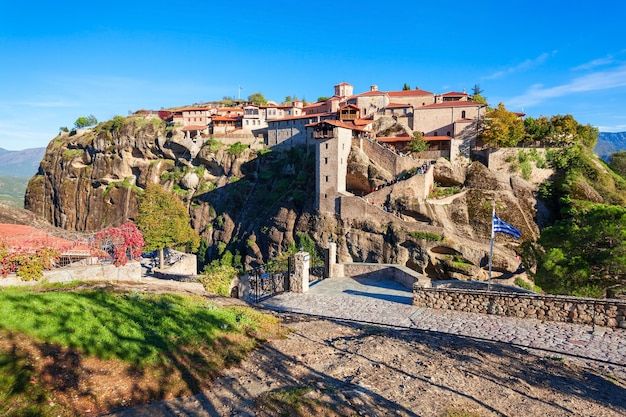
(388, 303)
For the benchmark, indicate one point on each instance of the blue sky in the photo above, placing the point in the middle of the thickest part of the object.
(63, 60)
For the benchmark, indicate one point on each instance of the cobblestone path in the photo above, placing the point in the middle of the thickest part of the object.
(388, 303)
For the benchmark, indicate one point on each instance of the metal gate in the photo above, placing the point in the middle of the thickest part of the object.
(271, 279)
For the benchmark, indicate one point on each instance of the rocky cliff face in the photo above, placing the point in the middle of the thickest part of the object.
(254, 203)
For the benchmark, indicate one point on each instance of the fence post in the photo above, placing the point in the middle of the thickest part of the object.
(300, 281)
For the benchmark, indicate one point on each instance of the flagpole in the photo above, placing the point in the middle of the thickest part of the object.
(493, 213)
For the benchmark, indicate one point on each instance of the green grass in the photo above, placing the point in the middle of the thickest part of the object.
(427, 236)
(134, 328)
(181, 340)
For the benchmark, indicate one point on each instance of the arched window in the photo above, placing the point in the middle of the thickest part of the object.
(463, 114)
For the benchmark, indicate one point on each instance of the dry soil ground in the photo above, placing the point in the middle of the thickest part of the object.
(374, 371)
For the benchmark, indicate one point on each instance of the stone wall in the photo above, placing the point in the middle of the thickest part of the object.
(609, 313)
(355, 209)
(401, 274)
(386, 158)
(107, 272)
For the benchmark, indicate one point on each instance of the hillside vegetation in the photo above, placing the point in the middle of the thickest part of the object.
(583, 252)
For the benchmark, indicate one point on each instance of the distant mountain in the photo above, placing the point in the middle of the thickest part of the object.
(609, 143)
(22, 164)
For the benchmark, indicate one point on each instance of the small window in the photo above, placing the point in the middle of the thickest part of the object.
(326, 145)
(463, 114)
(448, 133)
(435, 133)
(325, 160)
(326, 178)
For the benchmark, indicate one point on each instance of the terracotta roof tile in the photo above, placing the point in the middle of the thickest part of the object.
(409, 93)
(194, 127)
(453, 93)
(339, 124)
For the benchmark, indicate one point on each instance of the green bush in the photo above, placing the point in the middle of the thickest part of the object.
(217, 278)
(237, 148)
(427, 236)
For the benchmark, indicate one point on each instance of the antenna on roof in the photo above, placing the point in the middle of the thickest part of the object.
(239, 93)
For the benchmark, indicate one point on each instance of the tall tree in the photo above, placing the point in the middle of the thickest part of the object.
(406, 87)
(165, 222)
(257, 99)
(417, 143)
(502, 128)
(477, 95)
(617, 162)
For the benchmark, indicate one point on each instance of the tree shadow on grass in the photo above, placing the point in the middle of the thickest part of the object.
(156, 346)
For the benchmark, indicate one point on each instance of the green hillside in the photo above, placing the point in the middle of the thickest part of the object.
(12, 190)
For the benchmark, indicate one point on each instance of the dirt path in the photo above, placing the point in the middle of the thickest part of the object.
(382, 372)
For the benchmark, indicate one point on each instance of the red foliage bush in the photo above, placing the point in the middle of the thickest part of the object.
(121, 243)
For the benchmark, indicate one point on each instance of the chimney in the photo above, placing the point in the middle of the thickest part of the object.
(373, 87)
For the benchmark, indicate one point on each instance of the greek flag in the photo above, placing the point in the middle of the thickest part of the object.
(500, 226)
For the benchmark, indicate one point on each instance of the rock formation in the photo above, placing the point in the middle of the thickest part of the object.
(254, 203)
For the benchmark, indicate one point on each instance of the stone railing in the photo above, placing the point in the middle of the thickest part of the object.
(606, 312)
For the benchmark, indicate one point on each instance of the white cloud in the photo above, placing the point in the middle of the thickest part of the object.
(609, 59)
(611, 129)
(527, 64)
(601, 80)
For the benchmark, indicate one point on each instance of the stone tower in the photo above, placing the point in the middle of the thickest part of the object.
(332, 148)
(344, 90)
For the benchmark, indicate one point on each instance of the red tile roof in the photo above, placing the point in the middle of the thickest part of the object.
(362, 122)
(339, 124)
(453, 93)
(409, 93)
(196, 127)
(399, 105)
(225, 118)
(370, 93)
